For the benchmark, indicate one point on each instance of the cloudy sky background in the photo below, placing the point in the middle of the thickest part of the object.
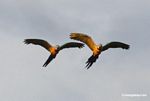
(116, 72)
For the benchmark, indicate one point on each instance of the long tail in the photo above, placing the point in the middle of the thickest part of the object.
(91, 60)
(50, 58)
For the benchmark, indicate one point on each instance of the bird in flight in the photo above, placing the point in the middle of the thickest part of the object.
(54, 50)
(96, 49)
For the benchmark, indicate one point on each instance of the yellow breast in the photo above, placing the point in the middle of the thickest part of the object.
(96, 51)
(53, 51)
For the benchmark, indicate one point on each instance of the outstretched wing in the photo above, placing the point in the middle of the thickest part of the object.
(91, 60)
(40, 42)
(50, 58)
(115, 45)
(71, 45)
(83, 38)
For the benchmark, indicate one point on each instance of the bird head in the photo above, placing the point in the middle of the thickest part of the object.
(99, 46)
(57, 47)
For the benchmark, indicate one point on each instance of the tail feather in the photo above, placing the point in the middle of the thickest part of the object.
(50, 58)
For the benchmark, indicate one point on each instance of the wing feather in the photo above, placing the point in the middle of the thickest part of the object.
(83, 38)
(40, 42)
(115, 45)
(72, 45)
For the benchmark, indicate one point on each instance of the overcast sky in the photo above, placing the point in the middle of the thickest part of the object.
(116, 72)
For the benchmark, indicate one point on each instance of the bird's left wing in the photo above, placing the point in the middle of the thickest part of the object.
(84, 38)
(115, 45)
(72, 45)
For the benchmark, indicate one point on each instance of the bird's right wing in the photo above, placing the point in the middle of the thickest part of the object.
(40, 42)
(115, 45)
(71, 45)
(50, 58)
(83, 38)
